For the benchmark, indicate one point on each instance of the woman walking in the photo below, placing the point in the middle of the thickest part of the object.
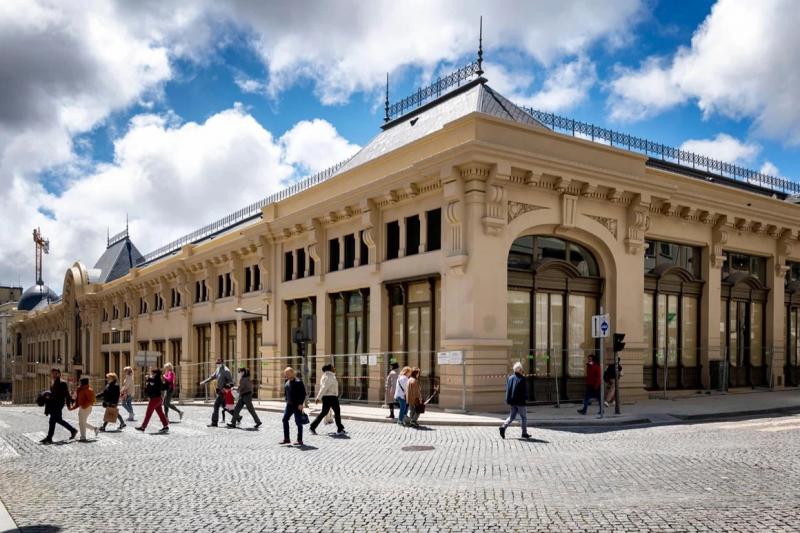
(169, 385)
(391, 386)
(295, 394)
(152, 389)
(84, 400)
(329, 392)
(400, 393)
(414, 399)
(128, 391)
(245, 399)
(110, 396)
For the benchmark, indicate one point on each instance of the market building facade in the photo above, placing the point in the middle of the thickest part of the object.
(467, 226)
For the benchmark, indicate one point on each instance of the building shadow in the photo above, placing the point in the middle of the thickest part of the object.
(40, 528)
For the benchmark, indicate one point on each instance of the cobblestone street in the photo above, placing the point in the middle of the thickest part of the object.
(727, 476)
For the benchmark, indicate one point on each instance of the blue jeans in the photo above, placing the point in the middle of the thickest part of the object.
(127, 403)
(287, 414)
(403, 410)
(587, 398)
(522, 411)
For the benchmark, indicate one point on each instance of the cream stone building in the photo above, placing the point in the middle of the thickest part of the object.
(467, 225)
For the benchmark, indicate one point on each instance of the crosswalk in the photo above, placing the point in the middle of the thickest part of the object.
(6, 450)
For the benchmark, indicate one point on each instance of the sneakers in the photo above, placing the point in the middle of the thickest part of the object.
(525, 436)
(211, 425)
(581, 411)
(390, 417)
(232, 426)
(341, 432)
(299, 443)
(285, 441)
(502, 432)
(122, 426)
(165, 429)
(139, 428)
(74, 432)
(258, 424)
(46, 441)
(313, 431)
(180, 415)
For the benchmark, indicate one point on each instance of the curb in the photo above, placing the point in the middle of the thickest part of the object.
(791, 410)
(7, 524)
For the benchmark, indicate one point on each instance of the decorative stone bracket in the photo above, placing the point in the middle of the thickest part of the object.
(719, 237)
(638, 222)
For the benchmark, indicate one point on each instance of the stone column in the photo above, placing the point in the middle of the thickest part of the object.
(710, 349)
(423, 232)
(402, 224)
(775, 313)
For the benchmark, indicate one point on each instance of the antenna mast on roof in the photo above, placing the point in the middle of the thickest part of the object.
(42, 246)
(386, 101)
(479, 72)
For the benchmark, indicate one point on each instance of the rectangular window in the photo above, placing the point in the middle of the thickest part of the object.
(311, 266)
(434, 229)
(647, 322)
(364, 259)
(393, 240)
(288, 266)
(220, 286)
(301, 263)
(349, 250)
(412, 235)
(689, 327)
(256, 278)
(248, 279)
(333, 255)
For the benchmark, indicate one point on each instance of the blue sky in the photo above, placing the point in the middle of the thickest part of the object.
(151, 108)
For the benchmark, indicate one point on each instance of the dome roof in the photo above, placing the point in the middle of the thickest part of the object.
(34, 295)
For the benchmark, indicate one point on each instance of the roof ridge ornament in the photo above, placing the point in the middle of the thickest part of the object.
(386, 101)
(479, 72)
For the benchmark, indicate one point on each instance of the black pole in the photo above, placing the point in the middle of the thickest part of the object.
(616, 383)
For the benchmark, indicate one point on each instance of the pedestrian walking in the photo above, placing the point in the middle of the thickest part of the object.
(400, 393)
(230, 401)
(84, 401)
(610, 377)
(153, 388)
(110, 397)
(593, 381)
(223, 377)
(329, 392)
(169, 390)
(414, 399)
(295, 394)
(128, 392)
(391, 386)
(245, 399)
(516, 399)
(56, 400)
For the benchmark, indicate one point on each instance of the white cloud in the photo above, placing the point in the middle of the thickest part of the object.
(566, 86)
(315, 145)
(249, 85)
(170, 178)
(348, 46)
(724, 148)
(742, 62)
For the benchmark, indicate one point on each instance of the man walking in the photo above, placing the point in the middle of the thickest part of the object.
(224, 378)
(245, 399)
(59, 396)
(516, 397)
(593, 378)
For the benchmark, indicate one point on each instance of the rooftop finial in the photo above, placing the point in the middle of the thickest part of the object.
(480, 49)
(386, 101)
(126, 223)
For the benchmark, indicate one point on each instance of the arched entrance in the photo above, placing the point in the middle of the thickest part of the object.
(792, 299)
(554, 288)
(742, 329)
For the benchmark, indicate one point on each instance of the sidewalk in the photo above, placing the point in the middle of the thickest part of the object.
(700, 407)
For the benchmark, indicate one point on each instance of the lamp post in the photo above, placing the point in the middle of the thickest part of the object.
(247, 312)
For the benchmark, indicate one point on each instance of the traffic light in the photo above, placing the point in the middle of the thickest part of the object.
(619, 342)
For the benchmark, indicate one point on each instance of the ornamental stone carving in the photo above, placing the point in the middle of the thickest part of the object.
(609, 223)
(517, 209)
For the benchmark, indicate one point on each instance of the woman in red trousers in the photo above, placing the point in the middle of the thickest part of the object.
(152, 389)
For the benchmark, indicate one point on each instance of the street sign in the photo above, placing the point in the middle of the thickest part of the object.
(601, 326)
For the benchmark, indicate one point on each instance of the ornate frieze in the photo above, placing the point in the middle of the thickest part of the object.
(516, 209)
(608, 222)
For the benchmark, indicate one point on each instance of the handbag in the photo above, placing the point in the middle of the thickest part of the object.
(111, 414)
(420, 408)
(304, 418)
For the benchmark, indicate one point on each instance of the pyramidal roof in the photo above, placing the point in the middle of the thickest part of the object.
(120, 256)
(475, 96)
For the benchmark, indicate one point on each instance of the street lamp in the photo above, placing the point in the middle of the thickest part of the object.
(245, 311)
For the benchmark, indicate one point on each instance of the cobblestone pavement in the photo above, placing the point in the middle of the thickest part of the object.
(728, 476)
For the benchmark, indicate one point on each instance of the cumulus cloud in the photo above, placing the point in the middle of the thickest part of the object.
(724, 148)
(741, 63)
(170, 178)
(315, 145)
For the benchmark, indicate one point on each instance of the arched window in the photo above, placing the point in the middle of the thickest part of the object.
(553, 290)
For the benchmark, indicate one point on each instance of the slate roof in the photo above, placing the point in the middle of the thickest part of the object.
(475, 96)
(117, 260)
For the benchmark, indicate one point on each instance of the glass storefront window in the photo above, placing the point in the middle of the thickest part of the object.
(580, 341)
(756, 334)
(689, 327)
(541, 351)
(519, 320)
(647, 322)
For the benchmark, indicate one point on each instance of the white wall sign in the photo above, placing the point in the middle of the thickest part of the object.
(455, 357)
(601, 326)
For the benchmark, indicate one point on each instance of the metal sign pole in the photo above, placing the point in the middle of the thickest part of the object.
(602, 366)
